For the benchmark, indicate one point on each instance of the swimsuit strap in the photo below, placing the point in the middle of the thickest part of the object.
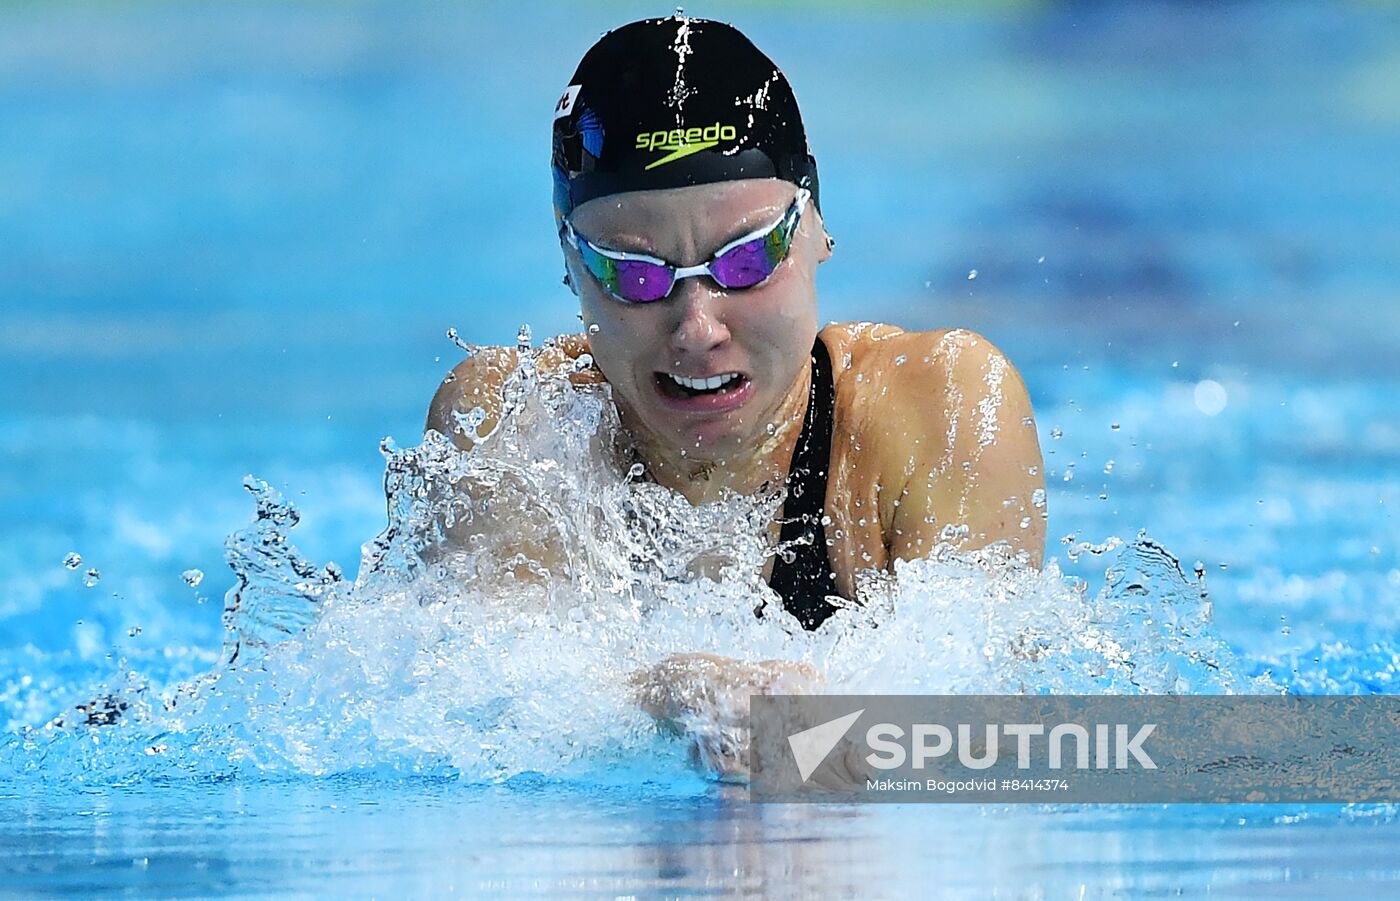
(804, 583)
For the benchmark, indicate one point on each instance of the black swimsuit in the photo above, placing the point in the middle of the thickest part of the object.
(805, 583)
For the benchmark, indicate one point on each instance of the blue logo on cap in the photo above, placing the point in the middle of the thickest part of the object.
(592, 131)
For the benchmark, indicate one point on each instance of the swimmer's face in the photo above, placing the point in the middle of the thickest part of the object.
(701, 330)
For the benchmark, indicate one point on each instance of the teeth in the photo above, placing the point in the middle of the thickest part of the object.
(708, 384)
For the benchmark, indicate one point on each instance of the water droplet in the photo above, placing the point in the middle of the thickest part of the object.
(133, 631)
(594, 328)
(192, 577)
(583, 362)
(971, 275)
(1108, 467)
(92, 577)
(952, 533)
(1069, 473)
(1115, 426)
(469, 423)
(1041, 260)
(1056, 434)
(1034, 470)
(73, 560)
(457, 340)
(449, 378)
(1025, 522)
(1038, 498)
(771, 428)
(900, 360)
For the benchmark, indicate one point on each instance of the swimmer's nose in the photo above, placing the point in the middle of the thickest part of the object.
(698, 327)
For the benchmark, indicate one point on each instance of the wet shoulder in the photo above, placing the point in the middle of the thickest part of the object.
(886, 366)
(476, 382)
(906, 397)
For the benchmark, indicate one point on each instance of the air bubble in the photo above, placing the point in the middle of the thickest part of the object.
(92, 577)
(193, 577)
(73, 560)
(1056, 434)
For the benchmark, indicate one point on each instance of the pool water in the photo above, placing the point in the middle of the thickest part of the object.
(232, 240)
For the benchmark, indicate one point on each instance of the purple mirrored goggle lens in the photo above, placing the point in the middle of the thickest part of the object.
(747, 262)
(639, 281)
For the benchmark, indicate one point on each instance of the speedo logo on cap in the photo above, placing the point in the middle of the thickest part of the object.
(682, 142)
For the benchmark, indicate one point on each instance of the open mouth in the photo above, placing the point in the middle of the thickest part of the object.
(679, 386)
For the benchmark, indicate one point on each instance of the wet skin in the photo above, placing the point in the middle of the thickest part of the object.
(932, 429)
(933, 441)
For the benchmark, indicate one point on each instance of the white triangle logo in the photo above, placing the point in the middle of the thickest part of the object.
(810, 746)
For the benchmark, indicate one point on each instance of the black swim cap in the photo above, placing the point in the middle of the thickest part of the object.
(666, 103)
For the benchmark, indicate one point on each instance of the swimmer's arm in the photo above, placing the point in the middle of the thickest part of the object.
(477, 382)
(474, 382)
(978, 460)
(704, 697)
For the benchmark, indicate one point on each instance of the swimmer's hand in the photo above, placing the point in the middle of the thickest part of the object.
(705, 698)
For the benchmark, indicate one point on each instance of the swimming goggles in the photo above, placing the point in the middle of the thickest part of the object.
(742, 263)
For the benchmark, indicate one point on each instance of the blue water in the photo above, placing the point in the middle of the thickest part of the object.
(233, 237)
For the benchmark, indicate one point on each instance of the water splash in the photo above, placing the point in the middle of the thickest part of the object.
(496, 625)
